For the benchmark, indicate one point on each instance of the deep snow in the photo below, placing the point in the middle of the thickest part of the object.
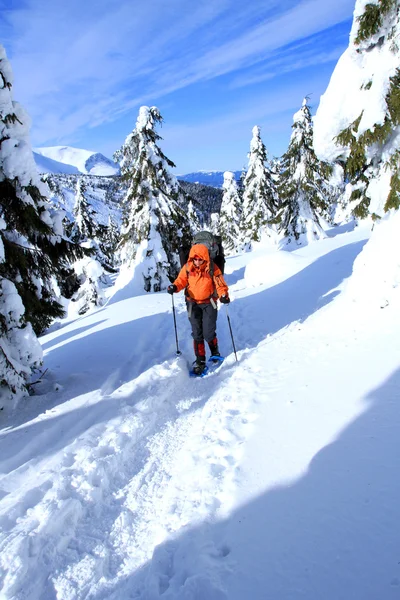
(275, 477)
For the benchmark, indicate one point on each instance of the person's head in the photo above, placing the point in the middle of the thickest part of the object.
(199, 255)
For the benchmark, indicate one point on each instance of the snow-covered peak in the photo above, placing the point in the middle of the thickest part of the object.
(66, 159)
(48, 165)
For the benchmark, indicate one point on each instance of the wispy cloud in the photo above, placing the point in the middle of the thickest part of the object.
(297, 59)
(79, 64)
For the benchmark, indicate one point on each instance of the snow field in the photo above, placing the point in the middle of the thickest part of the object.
(105, 483)
(135, 481)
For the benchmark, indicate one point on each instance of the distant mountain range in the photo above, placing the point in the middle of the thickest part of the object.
(74, 161)
(213, 178)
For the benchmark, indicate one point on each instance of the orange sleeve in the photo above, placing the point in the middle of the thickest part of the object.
(220, 283)
(182, 280)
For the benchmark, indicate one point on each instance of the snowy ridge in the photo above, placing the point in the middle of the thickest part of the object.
(48, 165)
(126, 479)
(67, 160)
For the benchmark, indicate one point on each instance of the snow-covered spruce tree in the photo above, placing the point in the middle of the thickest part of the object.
(83, 227)
(214, 223)
(89, 271)
(109, 236)
(260, 198)
(304, 184)
(358, 120)
(230, 215)
(35, 250)
(193, 218)
(154, 222)
(20, 351)
(92, 281)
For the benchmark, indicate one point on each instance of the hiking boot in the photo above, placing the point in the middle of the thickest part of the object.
(199, 366)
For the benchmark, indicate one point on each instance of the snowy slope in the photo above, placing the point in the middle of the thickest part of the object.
(48, 165)
(275, 477)
(103, 194)
(83, 161)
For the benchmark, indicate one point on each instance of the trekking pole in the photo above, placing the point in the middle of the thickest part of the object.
(178, 352)
(230, 329)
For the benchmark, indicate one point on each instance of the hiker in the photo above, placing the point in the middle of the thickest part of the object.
(204, 284)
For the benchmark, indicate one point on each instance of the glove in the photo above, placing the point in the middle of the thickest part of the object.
(225, 299)
(171, 289)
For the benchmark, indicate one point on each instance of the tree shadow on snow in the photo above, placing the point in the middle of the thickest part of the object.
(103, 361)
(235, 276)
(332, 533)
(66, 336)
(295, 299)
(339, 229)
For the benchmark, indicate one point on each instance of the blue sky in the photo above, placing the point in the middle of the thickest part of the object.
(214, 68)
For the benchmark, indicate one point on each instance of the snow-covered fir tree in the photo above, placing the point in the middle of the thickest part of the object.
(213, 224)
(305, 190)
(92, 281)
(20, 351)
(109, 236)
(260, 198)
(83, 227)
(358, 120)
(193, 218)
(90, 271)
(231, 212)
(36, 253)
(33, 252)
(154, 223)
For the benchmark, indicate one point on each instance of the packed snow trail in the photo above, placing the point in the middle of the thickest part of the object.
(101, 504)
(132, 480)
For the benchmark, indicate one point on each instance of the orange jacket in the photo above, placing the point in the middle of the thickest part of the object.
(199, 284)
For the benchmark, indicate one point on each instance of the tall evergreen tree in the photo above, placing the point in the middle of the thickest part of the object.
(109, 236)
(260, 199)
(154, 222)
(364, 111)
(20, 351)
(231, 212)
(193, 218)
(35, 250)
(83, 227)
(304, 184)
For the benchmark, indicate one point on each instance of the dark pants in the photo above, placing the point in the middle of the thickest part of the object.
(203, 319)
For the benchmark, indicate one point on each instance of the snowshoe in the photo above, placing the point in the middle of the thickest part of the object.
(199, 368)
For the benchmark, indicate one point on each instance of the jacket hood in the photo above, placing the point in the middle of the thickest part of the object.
(201, 251)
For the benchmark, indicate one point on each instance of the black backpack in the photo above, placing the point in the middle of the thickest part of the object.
(214, 245)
